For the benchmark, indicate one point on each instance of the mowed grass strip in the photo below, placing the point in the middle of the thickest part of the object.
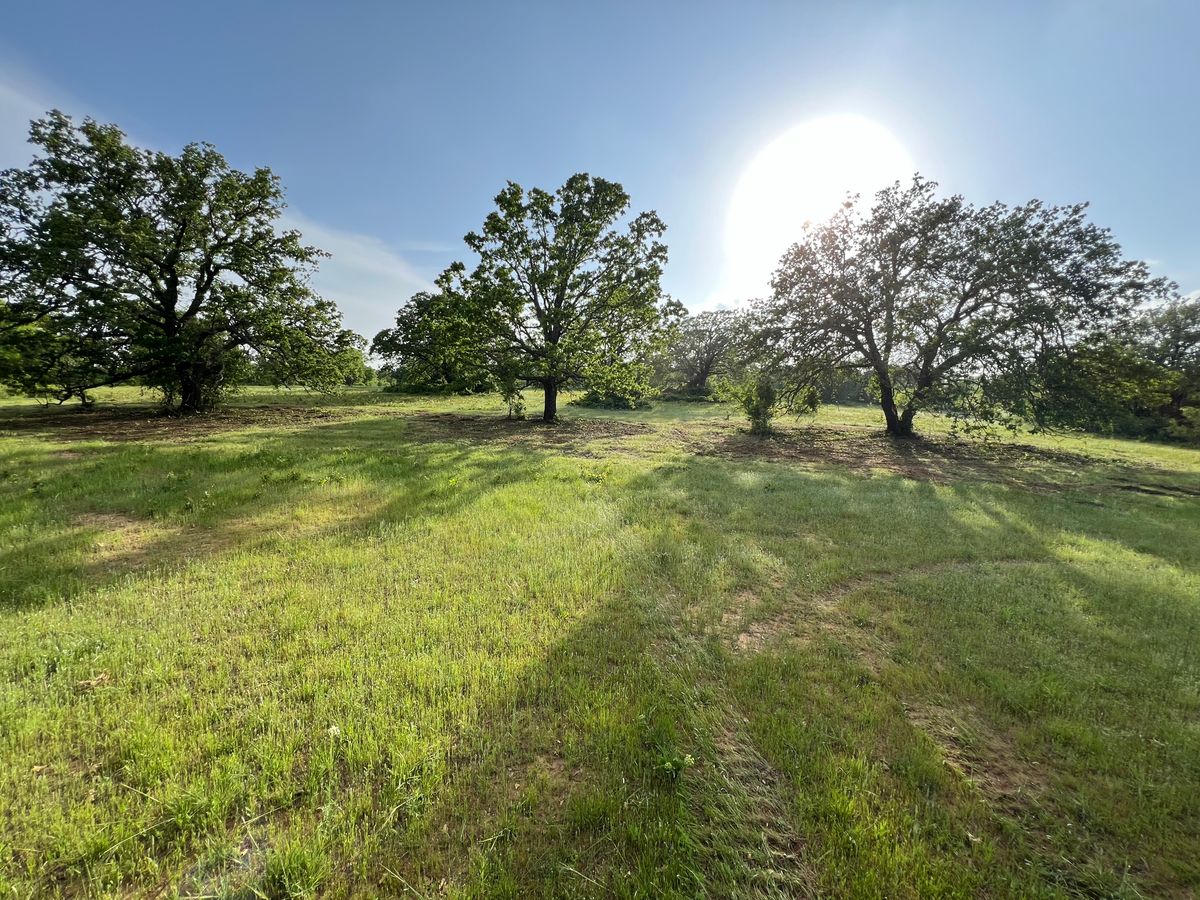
(398, 645)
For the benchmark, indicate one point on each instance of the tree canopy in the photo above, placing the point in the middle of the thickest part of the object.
(119, 264)
(434, 346)
(1140, 380)
(700, 347)
(940, 300)
(565, 291)
(1169, 337)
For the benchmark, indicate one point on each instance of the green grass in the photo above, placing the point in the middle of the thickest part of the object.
(376, 645)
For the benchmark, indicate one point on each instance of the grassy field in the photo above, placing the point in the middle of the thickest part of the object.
(393, 646)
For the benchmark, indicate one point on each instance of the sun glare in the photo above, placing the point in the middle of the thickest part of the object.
(801, 176)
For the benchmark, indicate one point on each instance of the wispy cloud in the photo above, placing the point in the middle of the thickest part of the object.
(21, 101)
(427, 247)
(367, 278)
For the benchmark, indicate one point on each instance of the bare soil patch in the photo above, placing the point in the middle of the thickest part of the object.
(147, 423)
(985, 757)
(575, 436)
(804, 620)
(822, 614)
(923, 459)
(1160, 490)
(951, 461)
(125, 544)
(122, 537)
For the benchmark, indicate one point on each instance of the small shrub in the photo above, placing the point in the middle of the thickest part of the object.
(511, 392)
(597, 400)
(755, 394)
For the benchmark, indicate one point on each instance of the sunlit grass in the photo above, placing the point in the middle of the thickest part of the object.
(402, 646)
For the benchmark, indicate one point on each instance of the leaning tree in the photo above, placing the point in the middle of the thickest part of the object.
(120, 264)
(566, 290)
(938, 299)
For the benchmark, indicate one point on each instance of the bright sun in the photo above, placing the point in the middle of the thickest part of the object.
(801, 176)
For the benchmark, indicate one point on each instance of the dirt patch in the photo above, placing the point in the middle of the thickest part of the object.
(806, 619)
(125, 544)
(775, 854)
(923, 459)
(575, 436)
(1159, 490)
(121, 537)
(982, 755)
(147, 423)
(941, 460)
(553, 771)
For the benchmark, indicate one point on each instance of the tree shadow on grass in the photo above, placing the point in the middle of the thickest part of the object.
(594, 772)
(124, 422)
(553, 758)
(948, 460)
(548, 791)
(553, 775)
(81, 521)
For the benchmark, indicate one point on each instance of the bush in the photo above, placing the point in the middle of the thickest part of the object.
(597, 400)
(755, 394)
(618, 386)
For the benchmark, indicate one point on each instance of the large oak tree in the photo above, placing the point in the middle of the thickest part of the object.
(120, 264)
(566, 291)
(937, 299)
(703, 346)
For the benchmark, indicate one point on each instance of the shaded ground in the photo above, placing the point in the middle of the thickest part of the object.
(944, 461)
(859, 449)
(136, 422)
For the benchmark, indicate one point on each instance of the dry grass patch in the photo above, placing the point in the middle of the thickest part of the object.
(121, 539)
(982, 755)
(773, 850)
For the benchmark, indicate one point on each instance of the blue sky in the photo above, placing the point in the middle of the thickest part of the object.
(393, 124)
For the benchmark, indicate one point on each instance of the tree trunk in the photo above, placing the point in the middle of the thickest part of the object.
(1173, 409)
(550, 408)
(198, 387)
(899, 424)
(191, 392)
